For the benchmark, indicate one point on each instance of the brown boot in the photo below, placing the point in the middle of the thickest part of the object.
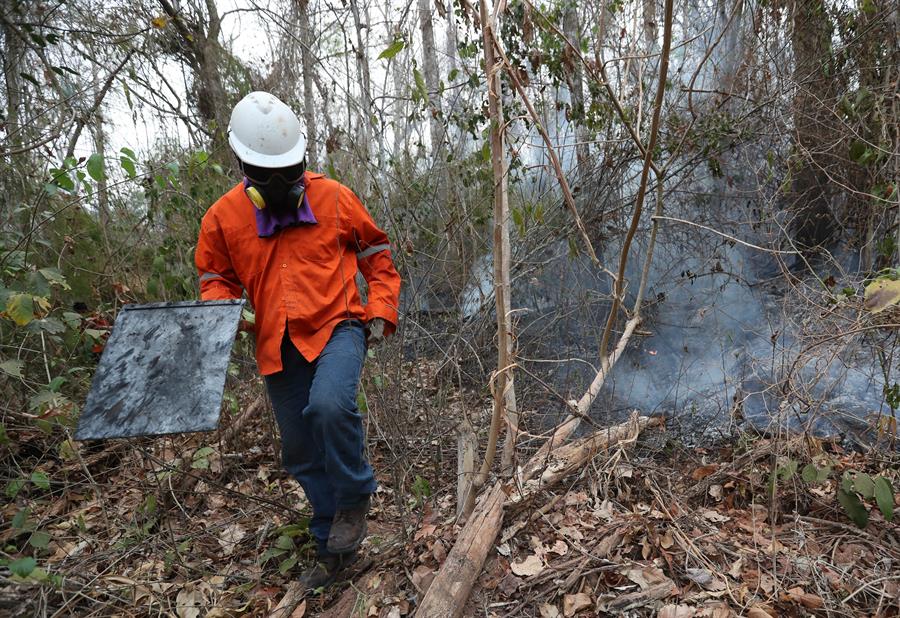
(325, 570)
(348, 529)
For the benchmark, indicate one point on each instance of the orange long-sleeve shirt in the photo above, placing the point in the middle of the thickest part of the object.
(302, 277)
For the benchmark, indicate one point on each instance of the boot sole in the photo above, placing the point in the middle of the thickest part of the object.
(353, 546)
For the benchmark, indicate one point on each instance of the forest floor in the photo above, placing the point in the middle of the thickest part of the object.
(203, 525)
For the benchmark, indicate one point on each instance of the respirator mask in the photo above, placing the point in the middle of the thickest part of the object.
(277, 188)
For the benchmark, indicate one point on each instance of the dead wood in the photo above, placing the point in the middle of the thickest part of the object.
(641, 598)
(252, 410)
(292, 597)
(569, 457)
(451, 587)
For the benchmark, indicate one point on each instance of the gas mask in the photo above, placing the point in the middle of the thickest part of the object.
(279, 189)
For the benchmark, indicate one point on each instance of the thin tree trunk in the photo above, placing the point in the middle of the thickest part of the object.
(810, 37)
(650, 26)
(204, 56)
(432, 79)
(309, 99)
(504, 391)
(572, 30)
(401, 126)
(99, 135)
(365, 99)
(13, 54)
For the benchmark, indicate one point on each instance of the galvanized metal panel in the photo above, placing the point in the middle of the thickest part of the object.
(162, 371)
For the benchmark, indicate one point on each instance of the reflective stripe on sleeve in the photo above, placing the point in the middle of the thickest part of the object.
(208, 276)
(372, 251)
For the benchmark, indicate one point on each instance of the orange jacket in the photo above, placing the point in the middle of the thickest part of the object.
(303, 277)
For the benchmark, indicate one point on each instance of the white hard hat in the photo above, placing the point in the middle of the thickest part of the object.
(265, 132)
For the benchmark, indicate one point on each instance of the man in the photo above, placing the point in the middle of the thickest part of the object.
(294, 241)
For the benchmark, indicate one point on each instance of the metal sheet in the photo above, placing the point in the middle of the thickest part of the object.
(162, 371)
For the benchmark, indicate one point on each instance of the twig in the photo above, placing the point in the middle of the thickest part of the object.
(867, 585)
(724, 235)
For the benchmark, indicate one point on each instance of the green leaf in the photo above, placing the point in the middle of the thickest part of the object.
(270, 553)
(54, 277)
(62, 179)
(392, 50)
(23, 566)
(421, 90)
(285, 542)
(857, 150)
(72, 319)
(40, 479)
(361, 402)
(31, 79)
(67, 450)
(292, 530)
(50, 325)
(854, 508)
(864, 485)
(287, 564)
(14, 487)
(128, 165)
(128, 152)
(20, 519)
(4, 439)
(95, 165)
(787, 471)
(39, 539)
(94, 333)
(884, 497)
(847, 482)
(13, 368)
(20, 308)
(200, 464)
(200, 458)
(810, 473)
(421, 488)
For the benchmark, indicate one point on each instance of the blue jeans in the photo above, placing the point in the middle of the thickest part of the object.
(322, 438)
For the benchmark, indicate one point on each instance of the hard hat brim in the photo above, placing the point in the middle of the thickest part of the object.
(246, 154)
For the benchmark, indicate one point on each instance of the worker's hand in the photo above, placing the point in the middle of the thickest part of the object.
(375, 331)
(245, 326)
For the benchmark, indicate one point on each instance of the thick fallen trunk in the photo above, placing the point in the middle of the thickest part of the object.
(446, 597)
(448, 592)
(289, 602)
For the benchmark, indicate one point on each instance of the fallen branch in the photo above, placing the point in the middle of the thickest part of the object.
(448, 592)
(570, 457)
(447, 595)
(240, 421)
(289, 602)
(568, 426)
